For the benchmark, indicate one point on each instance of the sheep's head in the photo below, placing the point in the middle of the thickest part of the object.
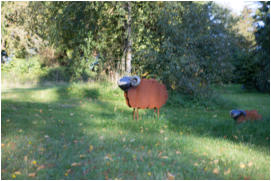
(236, 113)
(127, 82)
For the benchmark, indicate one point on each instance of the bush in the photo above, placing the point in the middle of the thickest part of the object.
(22, 70)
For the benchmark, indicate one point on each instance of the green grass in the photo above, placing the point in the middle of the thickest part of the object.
(86, 131)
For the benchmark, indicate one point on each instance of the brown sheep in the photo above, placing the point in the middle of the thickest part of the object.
(143, 94)
(247, 115)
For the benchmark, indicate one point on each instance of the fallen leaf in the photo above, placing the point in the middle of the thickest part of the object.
(76, 164)
(242, 165)
(227, 172)
(67, 172)
(178, 152)
(90, 148)
(170, 176)
(82, 156)
(196, 164)
(195, 150)
(162, 131)
(17, 173)
(160, 153)
(164, 157)
(108, 156)
(2, 144)
(46, 136)
(40, 167)
(215, 171)
(32, 174)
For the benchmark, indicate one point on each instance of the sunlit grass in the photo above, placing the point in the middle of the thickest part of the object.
(86, 131)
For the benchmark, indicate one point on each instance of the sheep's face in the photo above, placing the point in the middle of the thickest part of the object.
(127, 82)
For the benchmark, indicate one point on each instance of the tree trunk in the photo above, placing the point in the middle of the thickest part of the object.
(123, 60)
(129, 40)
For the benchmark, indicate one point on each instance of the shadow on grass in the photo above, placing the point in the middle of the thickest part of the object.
(59, 128)
(52, 127)
(56, 74)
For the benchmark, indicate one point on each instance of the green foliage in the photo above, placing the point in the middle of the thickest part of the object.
(31, 70)
(16, 38)
(22, 70)
(186, 45)
(262, 34)
(253, 65)
(194, 47)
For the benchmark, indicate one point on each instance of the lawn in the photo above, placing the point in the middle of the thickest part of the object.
(86, 131)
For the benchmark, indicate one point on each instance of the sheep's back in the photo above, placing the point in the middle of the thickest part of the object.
(149, 94)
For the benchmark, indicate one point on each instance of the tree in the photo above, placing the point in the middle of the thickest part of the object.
(194, 44)
(16, 39)
(262, 57)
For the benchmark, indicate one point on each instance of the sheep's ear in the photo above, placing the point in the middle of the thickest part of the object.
(135, 81)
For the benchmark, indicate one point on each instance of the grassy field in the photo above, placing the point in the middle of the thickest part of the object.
(86, 131)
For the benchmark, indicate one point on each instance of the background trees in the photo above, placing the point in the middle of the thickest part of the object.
(187, 45)
(262, 50)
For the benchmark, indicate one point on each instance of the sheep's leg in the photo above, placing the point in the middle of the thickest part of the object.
(137, 113)
(158, 113)
(134, 113)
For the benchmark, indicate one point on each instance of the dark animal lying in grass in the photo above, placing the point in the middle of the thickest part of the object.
(243, 116)
(142, 94)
